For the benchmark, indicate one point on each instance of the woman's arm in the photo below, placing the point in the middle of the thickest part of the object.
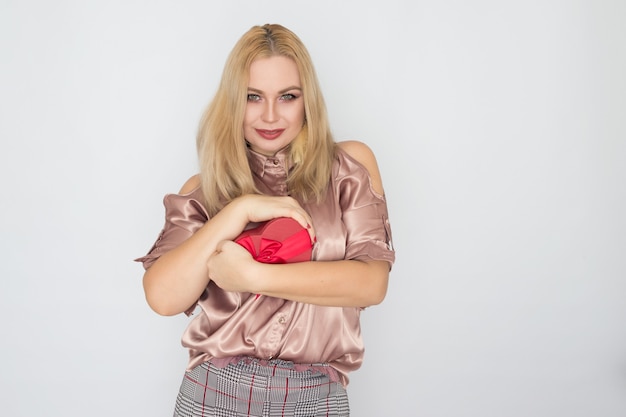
(344, 283)
(335, 283)
(348, 283)
(178, 278)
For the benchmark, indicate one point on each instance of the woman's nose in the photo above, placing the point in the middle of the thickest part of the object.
(269, 113)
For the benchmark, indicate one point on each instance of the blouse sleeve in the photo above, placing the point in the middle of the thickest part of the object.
(364, 214)
(184, 215)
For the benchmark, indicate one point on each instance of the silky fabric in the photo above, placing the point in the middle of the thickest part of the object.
(351, 222)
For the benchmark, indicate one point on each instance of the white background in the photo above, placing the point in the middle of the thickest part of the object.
(500, 131)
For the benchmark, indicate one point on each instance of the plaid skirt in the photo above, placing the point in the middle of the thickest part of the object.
(251, 387)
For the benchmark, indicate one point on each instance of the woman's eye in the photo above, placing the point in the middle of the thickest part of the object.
(288, 97)
(254, 97)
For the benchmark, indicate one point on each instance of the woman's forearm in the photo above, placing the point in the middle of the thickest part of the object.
(346, 283)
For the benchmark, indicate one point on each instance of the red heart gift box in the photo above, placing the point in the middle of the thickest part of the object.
(277, 241)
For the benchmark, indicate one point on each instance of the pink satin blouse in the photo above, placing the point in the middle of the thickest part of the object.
(350, 223)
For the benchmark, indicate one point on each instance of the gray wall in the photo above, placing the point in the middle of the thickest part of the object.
(499, 129)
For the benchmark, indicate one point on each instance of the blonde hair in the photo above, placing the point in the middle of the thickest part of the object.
(224, 170)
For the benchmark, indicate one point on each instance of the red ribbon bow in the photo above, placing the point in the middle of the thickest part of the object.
(293, 248)
(271, 251)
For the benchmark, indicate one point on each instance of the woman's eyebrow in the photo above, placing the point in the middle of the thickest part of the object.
(283, 91)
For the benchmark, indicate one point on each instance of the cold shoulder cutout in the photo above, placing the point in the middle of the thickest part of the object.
(190, 185)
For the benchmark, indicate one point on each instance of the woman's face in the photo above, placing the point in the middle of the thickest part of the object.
(275, 108)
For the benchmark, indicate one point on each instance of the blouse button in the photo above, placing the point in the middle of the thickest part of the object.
(282, 320)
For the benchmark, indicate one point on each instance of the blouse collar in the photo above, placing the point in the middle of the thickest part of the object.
(260, 164)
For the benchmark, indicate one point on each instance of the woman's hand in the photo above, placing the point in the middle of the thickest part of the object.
(260, 208)
(231, 267)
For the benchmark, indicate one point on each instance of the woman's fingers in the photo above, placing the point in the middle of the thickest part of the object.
(262, 208)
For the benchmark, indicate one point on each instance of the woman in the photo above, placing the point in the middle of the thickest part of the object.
(271, 338)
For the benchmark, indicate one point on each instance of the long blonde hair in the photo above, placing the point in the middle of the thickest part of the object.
(224, 170)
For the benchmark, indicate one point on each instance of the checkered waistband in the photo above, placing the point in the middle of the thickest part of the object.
(255, 387)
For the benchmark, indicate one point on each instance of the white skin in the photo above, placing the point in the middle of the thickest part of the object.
(273, 118)
(274, 103)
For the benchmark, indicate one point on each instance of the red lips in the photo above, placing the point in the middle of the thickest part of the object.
(269, 134)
